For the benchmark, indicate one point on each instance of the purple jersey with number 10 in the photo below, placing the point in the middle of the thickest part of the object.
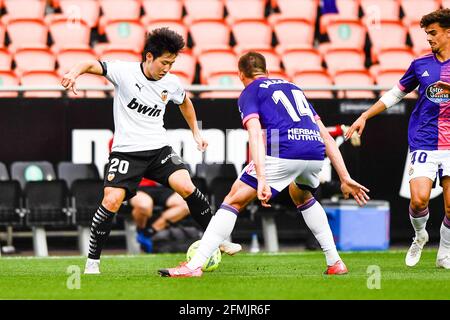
(287, 118)
(429, 126)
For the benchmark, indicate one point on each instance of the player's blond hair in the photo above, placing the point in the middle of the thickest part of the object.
(252, 64)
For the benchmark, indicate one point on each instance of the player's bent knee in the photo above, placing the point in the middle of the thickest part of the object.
(419, 204)
(113, 198)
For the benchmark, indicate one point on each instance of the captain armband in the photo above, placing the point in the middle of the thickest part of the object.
(392, 97)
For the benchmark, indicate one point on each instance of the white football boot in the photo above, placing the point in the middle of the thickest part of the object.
(415, 251)
(92, 267)
(443, 262)
(230, 248)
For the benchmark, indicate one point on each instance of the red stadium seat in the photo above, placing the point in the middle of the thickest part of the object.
(250, 34)
(396, 39)
(348, 10)
(418, 39)
(67, 58)
(298, 60)
(127, 33)
(304, 10)
(185, 63)
(354, 78)
(27, 32)
(203, 9)
(118, 10)
(209, 34)
(390, 78)
(2, 35)
(345, 34)
(230, 79)
(25, 9)
(216, 61)
(293, 34)
(124, 54)
(376, 10)
(245, 9)
(41, 78)
(8, 78)
(162, 10)
(388, 59)
(5, 60)
(88, 10)
(415, 9)
(344, 59)
(314, 79)
(34, 59)
(174, 25)
(279, 75)
(66, 32)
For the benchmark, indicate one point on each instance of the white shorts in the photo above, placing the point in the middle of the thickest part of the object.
(424, 163)
(281, 172)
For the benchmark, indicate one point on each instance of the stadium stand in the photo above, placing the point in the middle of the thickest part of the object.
(88, 10)
(203, 9)
(297, 60)
(209, 34)
(252, 34)
(354, 78)
(293, 34)
(244, 9)
(314, 78)
(162, 10)
(8, 78)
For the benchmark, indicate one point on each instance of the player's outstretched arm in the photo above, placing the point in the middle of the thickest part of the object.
(69, 79)
(258, 153)
(360, 123)
(348, 185)
(188, 111)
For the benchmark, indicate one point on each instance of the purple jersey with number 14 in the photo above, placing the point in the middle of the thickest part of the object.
(287, 118)
(429, 126)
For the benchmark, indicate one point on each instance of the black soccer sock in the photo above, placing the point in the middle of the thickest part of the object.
(199, 207)
(100, 229)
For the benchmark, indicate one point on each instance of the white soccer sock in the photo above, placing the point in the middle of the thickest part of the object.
(444, 243)
(419, 219)
(219, 229)
(316, 220)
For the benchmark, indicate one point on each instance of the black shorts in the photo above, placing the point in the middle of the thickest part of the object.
(126, 169)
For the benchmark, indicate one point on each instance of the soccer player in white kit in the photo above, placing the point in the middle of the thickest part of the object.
(288, 143)
(141, 147)
(428, 132)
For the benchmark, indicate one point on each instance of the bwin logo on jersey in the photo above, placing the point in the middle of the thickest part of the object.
(151, 112)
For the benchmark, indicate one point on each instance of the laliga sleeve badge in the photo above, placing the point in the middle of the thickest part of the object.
(111, 176)
(411, 171)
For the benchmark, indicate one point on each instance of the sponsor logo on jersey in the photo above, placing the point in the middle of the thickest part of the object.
(436, 95)
(139, 86)
(164, 95)
(425, 74)
(304, 134)
(143, 109)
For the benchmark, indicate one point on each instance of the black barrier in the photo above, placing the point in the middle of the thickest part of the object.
(40, 129)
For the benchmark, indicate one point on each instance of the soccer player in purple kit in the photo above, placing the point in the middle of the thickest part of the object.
(288, 144)
(428, 132)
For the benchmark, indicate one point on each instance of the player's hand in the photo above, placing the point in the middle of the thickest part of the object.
(443, 85)
(264, 193)
(357, 126)
(202, 144)
(358, 191)
(68, 82)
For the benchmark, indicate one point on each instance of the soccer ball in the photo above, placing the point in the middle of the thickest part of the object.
(211, 264)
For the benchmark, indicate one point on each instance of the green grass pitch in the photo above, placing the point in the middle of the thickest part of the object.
(284, 276)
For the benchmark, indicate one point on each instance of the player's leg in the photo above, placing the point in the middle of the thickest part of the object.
(219, 229)
(422, 173)
(316, 220)
(418, 214)
(142, 209)
(176, 210)
(123, 175)
(443, 256)
(101, 226)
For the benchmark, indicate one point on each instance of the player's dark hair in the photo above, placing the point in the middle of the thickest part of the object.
(252, 63)
(441, 16)
(162, 40)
